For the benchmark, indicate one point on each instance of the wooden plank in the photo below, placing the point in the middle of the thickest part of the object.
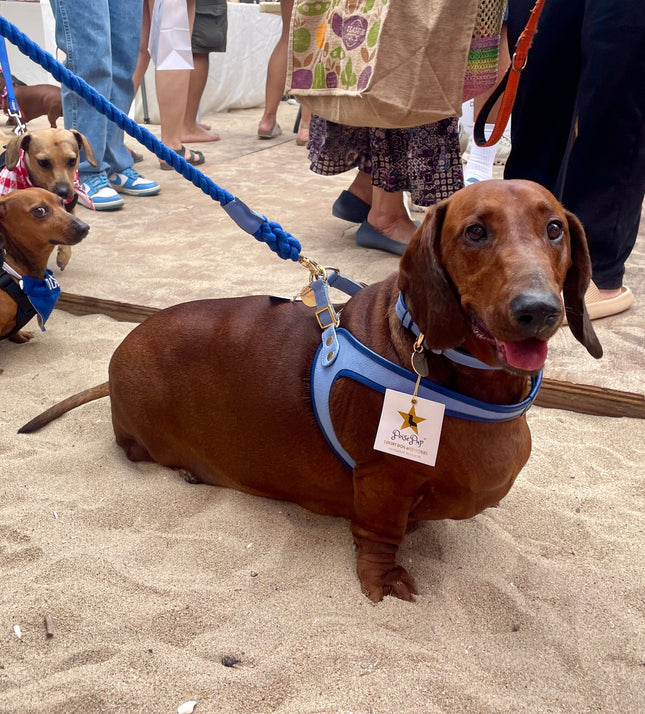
(554, 394)
(122, 311)
(587, 399)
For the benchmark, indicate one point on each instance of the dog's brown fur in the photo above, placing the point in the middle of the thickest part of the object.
(32, 222)
(220, 388)
(37, 100)
(51, 158)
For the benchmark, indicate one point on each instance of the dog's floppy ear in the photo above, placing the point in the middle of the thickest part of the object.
(13, 150)
(84, 144)
(429, 293)
(575, 287)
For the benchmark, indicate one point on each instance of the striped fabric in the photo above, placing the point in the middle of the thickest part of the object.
(481, 72)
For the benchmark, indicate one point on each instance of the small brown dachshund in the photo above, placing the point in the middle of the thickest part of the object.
(35, 100)
(32, 223)
(220, 389)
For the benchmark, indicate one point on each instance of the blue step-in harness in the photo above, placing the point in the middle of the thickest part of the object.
(342, 355)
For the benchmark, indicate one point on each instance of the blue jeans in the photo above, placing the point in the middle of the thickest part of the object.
(100, 39)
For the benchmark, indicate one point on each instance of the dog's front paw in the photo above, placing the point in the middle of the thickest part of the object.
(380, 579)
(21, 337)
(63, 254)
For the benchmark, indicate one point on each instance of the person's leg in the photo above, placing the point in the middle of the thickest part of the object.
(143, 59)
(303, 129)
(210, 29)
(424, 160)
(361, 187)
(543, 113)
(125, 34)
(605, 180)
(82, 33)
(393, 154)
(172, 95)
(192, 130)
(276, 73)
(389, 216)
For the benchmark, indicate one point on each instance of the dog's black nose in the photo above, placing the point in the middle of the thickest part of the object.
(536, 311)
(80, 228)
(63, 190)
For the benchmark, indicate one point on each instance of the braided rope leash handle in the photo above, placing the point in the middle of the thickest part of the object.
(269, 232)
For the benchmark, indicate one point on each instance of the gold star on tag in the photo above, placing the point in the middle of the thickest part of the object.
(411, 420)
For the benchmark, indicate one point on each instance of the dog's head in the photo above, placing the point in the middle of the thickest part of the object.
(34, 220)
(487, 269)
(51, 158)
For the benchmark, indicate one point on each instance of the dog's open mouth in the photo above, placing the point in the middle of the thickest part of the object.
(527, 355)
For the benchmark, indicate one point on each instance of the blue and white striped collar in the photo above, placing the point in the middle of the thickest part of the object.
(458, 356)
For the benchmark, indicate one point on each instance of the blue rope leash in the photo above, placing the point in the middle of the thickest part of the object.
(269, 232)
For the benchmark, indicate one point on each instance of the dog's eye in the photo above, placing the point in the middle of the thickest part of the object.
(554, 230)
(44, 163)
(40, 211)
(71, 163)
(476, 233)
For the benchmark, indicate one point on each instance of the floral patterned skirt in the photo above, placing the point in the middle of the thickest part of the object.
(424, 160)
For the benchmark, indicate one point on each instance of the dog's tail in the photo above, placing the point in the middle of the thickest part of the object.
(88, 395)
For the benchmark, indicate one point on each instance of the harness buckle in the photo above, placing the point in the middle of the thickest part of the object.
(327, 317)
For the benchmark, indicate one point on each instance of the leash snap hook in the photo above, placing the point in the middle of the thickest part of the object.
(315, 269)
(20, 128)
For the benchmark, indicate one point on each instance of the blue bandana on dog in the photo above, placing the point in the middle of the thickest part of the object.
(42, 294)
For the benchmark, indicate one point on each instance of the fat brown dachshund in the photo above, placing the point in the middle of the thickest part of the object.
(32, 223)
(47, 158)
(220, 389)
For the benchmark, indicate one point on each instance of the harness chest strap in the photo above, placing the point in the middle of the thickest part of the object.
(25, 309)
(342, 355)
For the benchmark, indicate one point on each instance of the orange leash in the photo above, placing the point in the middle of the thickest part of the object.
(508, 86)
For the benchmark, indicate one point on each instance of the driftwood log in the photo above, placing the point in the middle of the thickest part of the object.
(554, 393)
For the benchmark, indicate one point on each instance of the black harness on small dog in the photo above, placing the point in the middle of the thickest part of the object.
(25, 309)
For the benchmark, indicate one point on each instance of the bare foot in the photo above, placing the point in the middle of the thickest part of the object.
(303, 136)
(400, 229)
(198, 133)
(266, 125)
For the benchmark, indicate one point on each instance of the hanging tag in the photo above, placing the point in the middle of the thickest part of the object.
(410, 427)
(308, 296)
(420, 363)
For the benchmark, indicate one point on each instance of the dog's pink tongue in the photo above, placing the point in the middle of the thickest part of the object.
(528, 355)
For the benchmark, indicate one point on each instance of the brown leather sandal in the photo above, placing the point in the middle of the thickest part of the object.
(195, 158)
